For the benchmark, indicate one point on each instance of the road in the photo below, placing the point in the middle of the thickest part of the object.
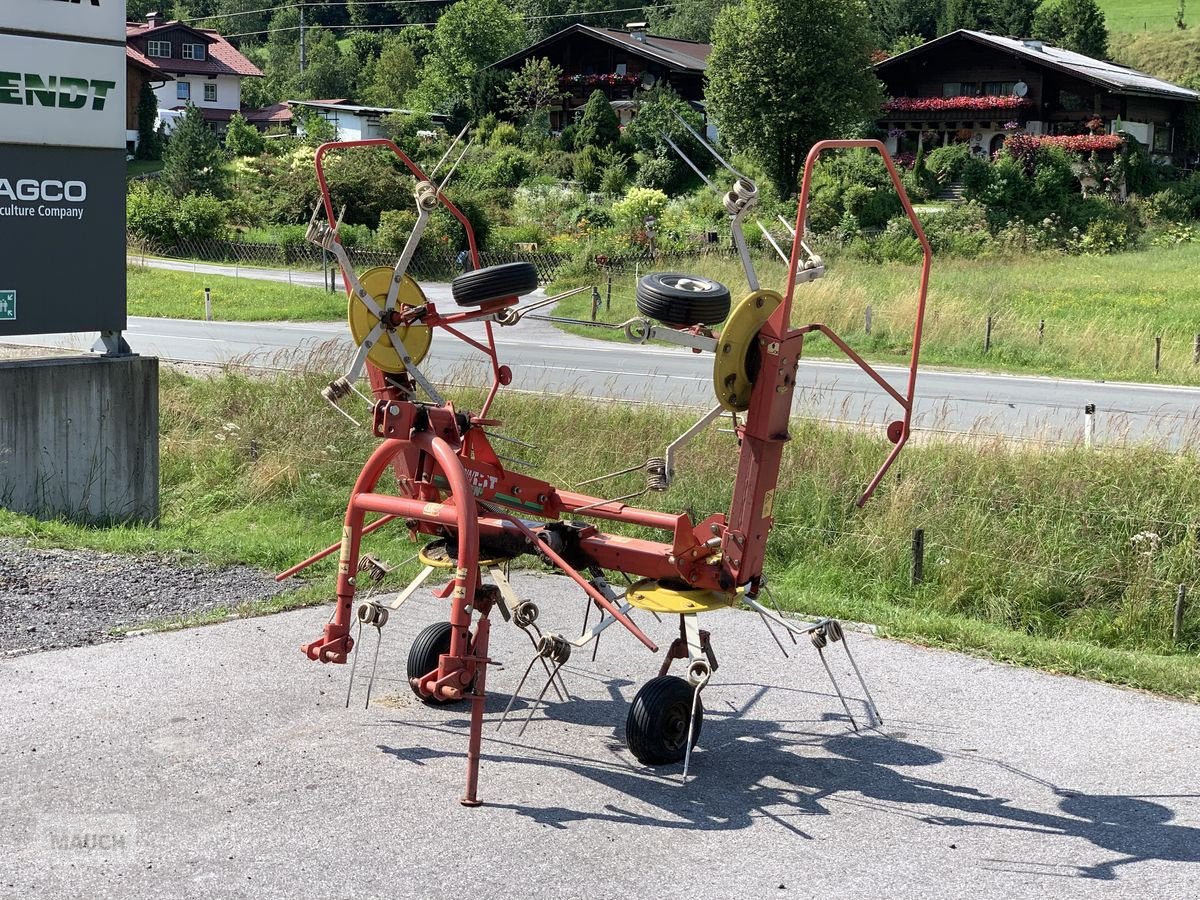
(219, 762)
(544, 359)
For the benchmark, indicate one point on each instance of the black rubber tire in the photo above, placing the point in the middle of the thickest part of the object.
(657, 726)
(425, 653)
(674, 298)
(494, 283)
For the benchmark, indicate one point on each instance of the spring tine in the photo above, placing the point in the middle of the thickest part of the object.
(687, 753)
(353, 665)
(706, 145)
(453, 144)
(511, 440)
(515, 461)
(771, 238)
(374, 666)
(517, 692)
(691, 164)
(778, 611)
(596, 644)
(772, 633)
(538, 701)
(833, 681)
(871, 707)
(445, 180)
(788, 225)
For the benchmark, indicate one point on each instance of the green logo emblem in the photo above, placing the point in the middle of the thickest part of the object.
(8, 306)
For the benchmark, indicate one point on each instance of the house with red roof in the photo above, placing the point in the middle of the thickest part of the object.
(186, 65)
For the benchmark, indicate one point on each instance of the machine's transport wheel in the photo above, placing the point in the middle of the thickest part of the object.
(494, 283)
(424, 654)
(677, 299)
(416, 337)
(657, 727)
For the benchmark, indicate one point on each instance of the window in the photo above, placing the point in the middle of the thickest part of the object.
(959, 89)
(193, 51)
(999, 88)
(1162, 138)
(210, 92)
(160, 49)
(183, 90)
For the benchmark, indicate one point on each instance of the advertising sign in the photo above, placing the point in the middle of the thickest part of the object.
(102, 20)
(61, 93)
(62, 240)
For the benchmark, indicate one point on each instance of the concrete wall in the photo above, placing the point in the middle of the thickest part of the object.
(79, 438)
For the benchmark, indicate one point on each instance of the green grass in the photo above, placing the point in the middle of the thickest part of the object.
(1144, 15)
(142, 167)
(1173, 55)
(1037, 557)
(1101, 313)
(180, 295)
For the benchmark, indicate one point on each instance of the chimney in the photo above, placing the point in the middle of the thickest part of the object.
(1034, 45)
(637, 31)
(154, 19)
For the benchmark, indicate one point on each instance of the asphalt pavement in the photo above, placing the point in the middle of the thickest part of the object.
(220, 762)
(546, 360)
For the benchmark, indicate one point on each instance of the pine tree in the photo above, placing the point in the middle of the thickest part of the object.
(599, 126)
(148, 146)
(192, 162)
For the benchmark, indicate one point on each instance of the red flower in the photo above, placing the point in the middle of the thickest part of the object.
(947, 104)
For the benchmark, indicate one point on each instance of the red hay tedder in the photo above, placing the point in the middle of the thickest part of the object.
(454, 487)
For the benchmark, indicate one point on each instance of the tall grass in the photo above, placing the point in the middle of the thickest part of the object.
(180, 295)
(1062, 557)
(1101, 314)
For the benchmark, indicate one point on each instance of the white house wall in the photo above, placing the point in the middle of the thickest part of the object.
(229, 92)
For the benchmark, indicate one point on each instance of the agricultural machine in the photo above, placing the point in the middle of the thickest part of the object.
(454, 489)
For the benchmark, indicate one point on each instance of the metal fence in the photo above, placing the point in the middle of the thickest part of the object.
(427, 265)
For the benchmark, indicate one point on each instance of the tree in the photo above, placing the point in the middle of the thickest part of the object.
(394, 75)
(599, 126)
(1013, 17)
(533, 89)
(242, 138)
(1073, 25)
(691, 21)
(148, 146)
(784, 74)
(470, 35)
(973, 14)
(192, 162)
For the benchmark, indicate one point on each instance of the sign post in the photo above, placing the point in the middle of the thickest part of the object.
(62, 166)
(78, 435)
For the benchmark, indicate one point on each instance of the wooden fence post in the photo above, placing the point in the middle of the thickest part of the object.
(1196, 350)
(1041, 331)
(987, 336)
(867, 320)
(1157, 352)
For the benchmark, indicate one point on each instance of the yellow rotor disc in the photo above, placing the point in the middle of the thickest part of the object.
(733, 369)
(655, 597)
(416, 338)
(437, 555)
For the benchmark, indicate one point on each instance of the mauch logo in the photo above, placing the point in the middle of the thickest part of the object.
(61, 91)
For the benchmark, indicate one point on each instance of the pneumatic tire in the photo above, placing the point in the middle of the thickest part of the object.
(674, 298)
(425, 654)
(494, 283)
(656, 729)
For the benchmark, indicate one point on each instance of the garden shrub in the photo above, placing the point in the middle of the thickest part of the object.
(504, 134)
(631, 211)
(199, 217)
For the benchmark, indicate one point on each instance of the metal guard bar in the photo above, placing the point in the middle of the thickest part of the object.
(781, 319)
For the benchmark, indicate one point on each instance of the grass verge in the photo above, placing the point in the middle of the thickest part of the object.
(180, 295)
(1064, 559)
(1101, 315)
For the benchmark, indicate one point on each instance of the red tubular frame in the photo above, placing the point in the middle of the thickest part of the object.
(784, 313)
(447, 469)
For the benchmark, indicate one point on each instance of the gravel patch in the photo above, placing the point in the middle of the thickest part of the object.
(70, 598)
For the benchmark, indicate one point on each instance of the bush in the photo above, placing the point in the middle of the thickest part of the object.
(587, 168)
(949, 162)
(1104, 236)
(199, 217)
(395, 225)
(640, 202)
(504, 135)
(612, 182)
(507, 168)
(149, 213)
(659, 172)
